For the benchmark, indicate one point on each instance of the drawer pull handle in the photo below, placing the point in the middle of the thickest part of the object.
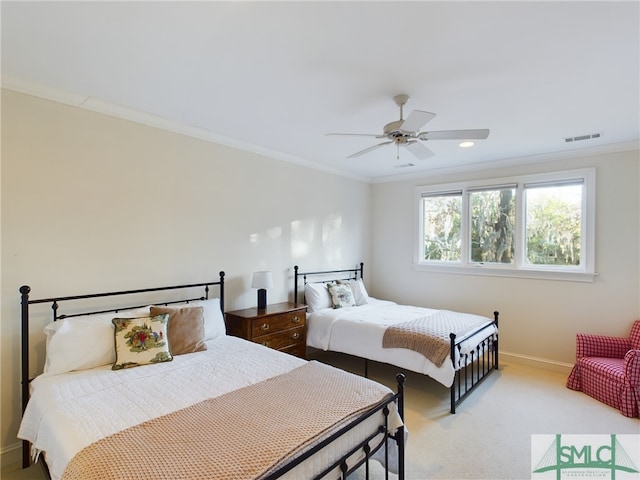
(296, 319)
(265, 326)
(295, 336)
(266, 344)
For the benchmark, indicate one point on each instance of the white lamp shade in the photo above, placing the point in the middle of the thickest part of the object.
(262, 280)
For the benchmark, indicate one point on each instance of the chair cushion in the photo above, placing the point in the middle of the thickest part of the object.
(612, 368)
(602, 379)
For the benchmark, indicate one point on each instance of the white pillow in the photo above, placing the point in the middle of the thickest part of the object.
(214, 325)
(49, 331)
(80, 343)
(360, 294)
(317, 297)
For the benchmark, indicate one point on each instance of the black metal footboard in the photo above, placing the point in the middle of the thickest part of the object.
(473, 367)
(368, 446)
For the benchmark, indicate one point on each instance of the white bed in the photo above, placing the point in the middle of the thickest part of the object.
(360, 324)
(76, 403)
(359, 331)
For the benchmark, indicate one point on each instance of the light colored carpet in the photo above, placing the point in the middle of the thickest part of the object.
(490, 435)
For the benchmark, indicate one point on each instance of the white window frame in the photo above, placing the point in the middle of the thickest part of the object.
(585, 272)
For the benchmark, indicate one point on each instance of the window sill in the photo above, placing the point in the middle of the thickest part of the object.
(484, 270)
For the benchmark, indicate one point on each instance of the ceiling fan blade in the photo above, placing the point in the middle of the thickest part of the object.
(367, 150)
(377, 135)
(478, 134)
(419, 150)
(416, 120)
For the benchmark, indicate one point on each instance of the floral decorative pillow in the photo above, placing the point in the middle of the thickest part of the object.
(341, 295)
(360, 294)
(141, 341)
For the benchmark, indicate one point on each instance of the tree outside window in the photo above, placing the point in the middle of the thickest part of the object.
(442, 221)
(554, 225)
(492, 225)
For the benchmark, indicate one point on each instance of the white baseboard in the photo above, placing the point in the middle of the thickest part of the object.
(542, 363)
(11, 454)
(509, 357)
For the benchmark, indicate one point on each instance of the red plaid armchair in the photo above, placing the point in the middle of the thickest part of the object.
(608, 369)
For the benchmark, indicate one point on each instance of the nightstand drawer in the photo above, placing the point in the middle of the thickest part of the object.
(280, 340)
(277, 323)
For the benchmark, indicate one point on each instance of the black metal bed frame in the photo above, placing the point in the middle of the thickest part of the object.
(365, 445)
(473, 367)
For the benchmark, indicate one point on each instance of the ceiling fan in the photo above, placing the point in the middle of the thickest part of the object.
(406, 133)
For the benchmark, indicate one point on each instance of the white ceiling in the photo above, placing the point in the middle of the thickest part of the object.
(274, 77)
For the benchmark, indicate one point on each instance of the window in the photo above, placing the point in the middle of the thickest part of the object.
(534, 226)
(553, 224)
(492, 224)
(442, 217)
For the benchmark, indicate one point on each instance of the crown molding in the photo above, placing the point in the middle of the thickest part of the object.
(156, 121)
(511, 162)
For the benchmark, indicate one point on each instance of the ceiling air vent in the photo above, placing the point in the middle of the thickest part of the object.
(582, 137)
(405, 165)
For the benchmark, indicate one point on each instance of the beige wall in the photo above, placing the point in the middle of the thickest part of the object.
(93, 203)
(539, 318)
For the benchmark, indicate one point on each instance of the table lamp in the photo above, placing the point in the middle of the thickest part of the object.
(262, 281)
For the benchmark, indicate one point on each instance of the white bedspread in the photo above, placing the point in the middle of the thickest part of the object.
(70, 411)
(359, 330)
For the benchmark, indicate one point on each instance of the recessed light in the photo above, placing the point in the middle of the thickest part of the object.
(466, 144)
(405, 165)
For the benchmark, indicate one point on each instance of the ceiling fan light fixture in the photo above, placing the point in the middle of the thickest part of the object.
(406, 133)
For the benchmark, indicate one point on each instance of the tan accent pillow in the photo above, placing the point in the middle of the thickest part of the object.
(186, 328)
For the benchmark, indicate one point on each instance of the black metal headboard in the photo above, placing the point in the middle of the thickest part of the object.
(55, 301)
(325, 276)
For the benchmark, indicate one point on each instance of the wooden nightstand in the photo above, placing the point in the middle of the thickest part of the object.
(281, 326)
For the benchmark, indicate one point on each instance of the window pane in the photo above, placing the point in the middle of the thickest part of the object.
(442, 216)
(553, 225)
(492, 225)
